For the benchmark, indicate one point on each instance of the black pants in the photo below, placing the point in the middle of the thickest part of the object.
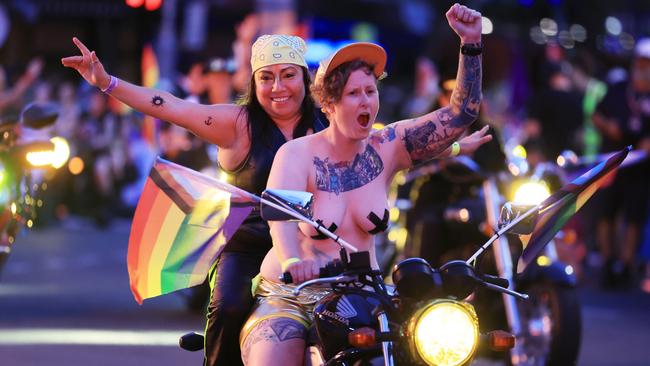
(230, 304)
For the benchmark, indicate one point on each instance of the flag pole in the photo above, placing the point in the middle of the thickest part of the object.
(280, 207)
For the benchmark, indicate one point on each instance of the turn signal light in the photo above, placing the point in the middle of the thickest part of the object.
(362, 337)
(500, 340)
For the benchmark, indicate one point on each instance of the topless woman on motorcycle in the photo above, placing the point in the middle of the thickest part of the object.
(348, 168)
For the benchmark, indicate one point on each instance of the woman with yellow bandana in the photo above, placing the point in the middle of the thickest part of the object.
(276, 108)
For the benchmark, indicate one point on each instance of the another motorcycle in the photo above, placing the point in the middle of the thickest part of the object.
(548, 327)
(19, 158)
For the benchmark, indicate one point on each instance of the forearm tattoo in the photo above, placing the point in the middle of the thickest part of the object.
(273, 330)
(157, 101)
(429, 139)
(208, 121)
(345, 176)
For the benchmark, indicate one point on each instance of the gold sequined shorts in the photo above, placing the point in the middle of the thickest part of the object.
(275, 300)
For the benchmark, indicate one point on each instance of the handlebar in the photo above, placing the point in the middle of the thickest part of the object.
(322, 281)
(286, 278)
(501, 282)
(332, 268)
(337, 271)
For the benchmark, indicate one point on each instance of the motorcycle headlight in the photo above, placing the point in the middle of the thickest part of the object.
(61, 152)
(444, 332)
(56, 154)
(532, 193)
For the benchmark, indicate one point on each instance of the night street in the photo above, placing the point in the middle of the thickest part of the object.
(65, 300)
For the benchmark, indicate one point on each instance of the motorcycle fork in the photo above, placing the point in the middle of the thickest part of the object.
(504, 265)
(387, 347)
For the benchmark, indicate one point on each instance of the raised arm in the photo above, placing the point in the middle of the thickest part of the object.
(12, 95)
(289, 173)
(428, 136)
(213, 123)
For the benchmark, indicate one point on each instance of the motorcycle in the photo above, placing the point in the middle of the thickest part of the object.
(547, 327)
(19, 159)
(426, 319)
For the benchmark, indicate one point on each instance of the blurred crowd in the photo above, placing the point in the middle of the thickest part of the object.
(575, 101)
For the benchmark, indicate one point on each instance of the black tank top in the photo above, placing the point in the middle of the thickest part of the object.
(253, 236)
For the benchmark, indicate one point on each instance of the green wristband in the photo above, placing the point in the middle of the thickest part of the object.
(455, 149)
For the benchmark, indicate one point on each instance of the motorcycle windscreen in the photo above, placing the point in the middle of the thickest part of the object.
(556, 210)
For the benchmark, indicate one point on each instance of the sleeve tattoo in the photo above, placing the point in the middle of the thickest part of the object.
(430, 138)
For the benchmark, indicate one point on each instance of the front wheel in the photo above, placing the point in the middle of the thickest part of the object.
(551, 325)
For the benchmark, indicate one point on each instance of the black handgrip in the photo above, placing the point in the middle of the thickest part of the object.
(501, 282)
(286, 278)
(333, 268)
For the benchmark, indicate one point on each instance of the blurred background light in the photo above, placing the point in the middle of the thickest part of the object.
(548, 26)
(578, 32)
(626, 40)
(537, 36)
(613, 26)
(565, 39)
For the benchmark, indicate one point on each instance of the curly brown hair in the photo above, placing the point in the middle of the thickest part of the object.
(330, 90)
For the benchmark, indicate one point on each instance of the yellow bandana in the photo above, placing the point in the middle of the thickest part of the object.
(278, 49)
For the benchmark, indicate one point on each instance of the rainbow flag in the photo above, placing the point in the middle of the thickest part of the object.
(557, 209)
(181, 224)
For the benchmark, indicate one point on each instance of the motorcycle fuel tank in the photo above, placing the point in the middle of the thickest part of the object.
(341, 312)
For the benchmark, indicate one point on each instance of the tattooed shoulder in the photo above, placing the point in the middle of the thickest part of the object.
(345, 176)
(386, 134)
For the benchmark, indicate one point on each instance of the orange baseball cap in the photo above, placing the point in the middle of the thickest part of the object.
(370, 53)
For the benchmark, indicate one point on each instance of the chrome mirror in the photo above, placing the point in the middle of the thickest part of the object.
(511, 211)
(298, 201)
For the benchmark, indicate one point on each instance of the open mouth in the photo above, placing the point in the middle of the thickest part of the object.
(279, 100)
(363, 119)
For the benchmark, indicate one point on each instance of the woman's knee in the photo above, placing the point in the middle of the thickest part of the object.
(283, 339)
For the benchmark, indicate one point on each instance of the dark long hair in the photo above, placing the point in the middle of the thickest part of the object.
(260, 123)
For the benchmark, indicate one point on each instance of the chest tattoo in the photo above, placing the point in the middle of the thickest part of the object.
(345, 176)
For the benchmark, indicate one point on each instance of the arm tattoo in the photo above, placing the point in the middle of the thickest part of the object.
(345, 176)
(383, 135)
(208, 121)
(428, 139)
(157, 101)
(422, 140)
(273, 330)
